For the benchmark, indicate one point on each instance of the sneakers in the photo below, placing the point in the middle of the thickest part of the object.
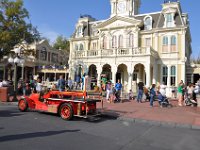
(180, 105)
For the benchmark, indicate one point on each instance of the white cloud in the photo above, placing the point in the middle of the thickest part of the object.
(48, 33)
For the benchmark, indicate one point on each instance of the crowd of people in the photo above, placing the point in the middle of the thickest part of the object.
(113, 91)
(183, 92)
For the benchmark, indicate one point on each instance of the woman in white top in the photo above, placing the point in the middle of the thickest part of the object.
(163, 89)
(1, 83)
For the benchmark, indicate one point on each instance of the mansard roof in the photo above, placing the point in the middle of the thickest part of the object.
(158, 19)
(157, 22)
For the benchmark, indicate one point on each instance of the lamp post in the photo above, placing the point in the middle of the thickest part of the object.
(15, 60)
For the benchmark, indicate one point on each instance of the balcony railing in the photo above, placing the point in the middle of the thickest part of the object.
(116, 52)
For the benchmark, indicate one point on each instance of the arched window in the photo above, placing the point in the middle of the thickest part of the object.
(131, 40)
(173, 75)
(120, 44)
(114, 41)
(173, 43)
(76, 46)
(165, 44)
(104, 44)
(81, 47)
(148, 23)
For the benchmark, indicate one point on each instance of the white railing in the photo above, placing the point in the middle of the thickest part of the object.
(138, 51)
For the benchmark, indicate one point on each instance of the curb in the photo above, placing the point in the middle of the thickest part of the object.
(154, 123)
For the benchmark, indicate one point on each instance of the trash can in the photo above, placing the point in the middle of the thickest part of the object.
(4, 94)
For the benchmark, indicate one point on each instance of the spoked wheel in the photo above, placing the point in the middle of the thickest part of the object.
(22, 105)
(66, 111)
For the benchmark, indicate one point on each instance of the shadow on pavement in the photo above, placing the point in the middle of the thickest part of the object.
(7, 113)
(33, 135)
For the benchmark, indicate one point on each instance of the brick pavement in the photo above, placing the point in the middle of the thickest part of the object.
(175, 116)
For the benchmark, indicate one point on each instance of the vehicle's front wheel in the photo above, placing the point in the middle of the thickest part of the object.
(22, 105)
(66, 111)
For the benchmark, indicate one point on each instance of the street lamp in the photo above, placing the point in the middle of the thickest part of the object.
(15, 60)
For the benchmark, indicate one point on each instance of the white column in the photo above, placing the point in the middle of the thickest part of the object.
(130, 76)
(22, 72)
(99, 71)
(114, 72)
(130, 79)
(169, 75)
(155, 76)
(148, 74)
(183, 72)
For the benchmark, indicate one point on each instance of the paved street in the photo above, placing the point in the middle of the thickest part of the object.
(33, 130)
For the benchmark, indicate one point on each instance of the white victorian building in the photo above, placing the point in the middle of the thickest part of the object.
(129, 46)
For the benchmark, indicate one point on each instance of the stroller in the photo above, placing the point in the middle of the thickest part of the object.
(190, 100)
(163, 101)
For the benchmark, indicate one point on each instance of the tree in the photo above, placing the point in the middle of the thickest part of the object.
(61, 42)
(13, 27)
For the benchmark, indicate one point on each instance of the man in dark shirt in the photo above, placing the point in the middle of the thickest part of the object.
(140, 92)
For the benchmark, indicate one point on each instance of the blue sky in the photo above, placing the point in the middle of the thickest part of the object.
(58, 17)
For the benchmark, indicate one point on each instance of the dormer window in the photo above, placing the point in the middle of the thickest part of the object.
(169, 20)
(148, 23)
(79, 31)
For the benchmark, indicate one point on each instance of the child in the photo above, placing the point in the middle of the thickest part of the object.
(130, 94)
(152, 94)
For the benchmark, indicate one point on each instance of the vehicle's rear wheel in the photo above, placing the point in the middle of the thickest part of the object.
(22, 105)
(66, 111)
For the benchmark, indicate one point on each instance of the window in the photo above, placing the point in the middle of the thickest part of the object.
(131, 41)
(104, 44)
(94, 46)
(148, 23)
(165, 44)
(43, 54)
(54, 58)
(148, 42)
(173, 75)
(81, 47)
(79, 31)
(169, 20)
(76, 47)
(120, 44)
(173, 43)
(164, 74)
(114, 42)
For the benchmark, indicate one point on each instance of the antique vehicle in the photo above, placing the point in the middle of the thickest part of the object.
(67, 104)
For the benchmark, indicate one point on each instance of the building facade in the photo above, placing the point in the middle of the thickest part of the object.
(43, 60)
(153, 47)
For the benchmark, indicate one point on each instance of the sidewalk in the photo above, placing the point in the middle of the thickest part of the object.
(176, 116)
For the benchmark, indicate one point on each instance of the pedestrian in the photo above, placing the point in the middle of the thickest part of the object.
(162, 89)
(118, 88)
(180, 93)
(140, 92)
(61, 83)
(130, 95)
(70, 83)
(38, 85)
(108, 91)
(173, 90)
(152, 94)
